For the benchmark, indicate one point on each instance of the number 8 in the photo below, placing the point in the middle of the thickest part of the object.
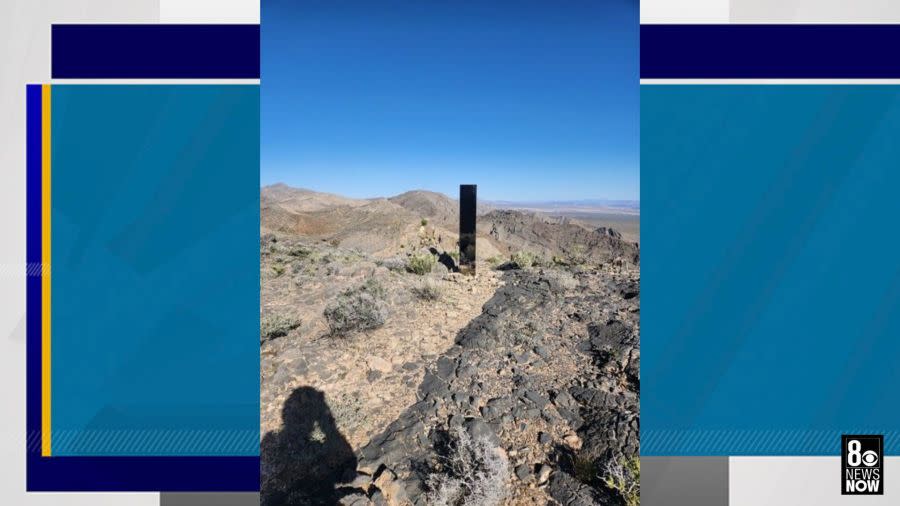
(854, 458)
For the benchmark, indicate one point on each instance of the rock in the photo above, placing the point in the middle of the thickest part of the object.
(564, 399)
(362, 481)
(490, 412)
(544, 438)
(566, 489)
(433, 386)
(393, 490)
(377, 499)
(543, 473)
(445, 368)
(570, 417)
(538, 399)
(462, 398)
(542, 352)
(354, 499)
(523, 472)
(478, 429)
(573, 441)
(466, 371)
(379, 364)
(372, 376)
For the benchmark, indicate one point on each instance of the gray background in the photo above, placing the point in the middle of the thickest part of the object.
(684, 481)
(25, 59)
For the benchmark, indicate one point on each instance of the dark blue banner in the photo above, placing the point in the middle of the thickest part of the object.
(155, 52)
(769, 51)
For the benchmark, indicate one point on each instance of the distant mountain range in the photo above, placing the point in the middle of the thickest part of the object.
(389, 226)
(587, 205)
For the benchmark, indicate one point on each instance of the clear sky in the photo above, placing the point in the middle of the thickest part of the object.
(531, 100)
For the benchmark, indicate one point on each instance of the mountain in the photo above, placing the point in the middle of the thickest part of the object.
(386, 227)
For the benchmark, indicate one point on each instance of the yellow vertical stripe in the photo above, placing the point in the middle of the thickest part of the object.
(45, 270)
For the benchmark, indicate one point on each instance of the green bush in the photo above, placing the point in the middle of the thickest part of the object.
(625, 479)
(585, 469)
(525, 259)
(421, 263)
(272, 326)
(424, 222)
(372, 286)
(299, 251)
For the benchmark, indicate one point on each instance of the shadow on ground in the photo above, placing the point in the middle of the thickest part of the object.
(303, 461)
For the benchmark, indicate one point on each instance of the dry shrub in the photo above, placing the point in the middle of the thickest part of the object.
(429, 290)
(357, 309)
(475, 473)
(625, 479)
(272, 326)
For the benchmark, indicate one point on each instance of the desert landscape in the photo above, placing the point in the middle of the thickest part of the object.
(387, 377)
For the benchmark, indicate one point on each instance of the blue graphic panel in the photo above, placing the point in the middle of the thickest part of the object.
(155, 288)
(771, 281)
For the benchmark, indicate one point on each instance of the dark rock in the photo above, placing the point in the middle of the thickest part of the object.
(466, 371)
(433, 386)
(378, 499)
(523, 358)
(462, 398)
(536, 398)
(569, 491)
(478, 429)
(563, 399)
(445, 368)
(544, 438)
(490, 412)
(373, 376)
(523, 472)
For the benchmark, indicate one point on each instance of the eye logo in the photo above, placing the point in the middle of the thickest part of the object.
(862, 467)
(870, 458)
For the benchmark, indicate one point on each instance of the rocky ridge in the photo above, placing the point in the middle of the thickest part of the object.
(538, 366)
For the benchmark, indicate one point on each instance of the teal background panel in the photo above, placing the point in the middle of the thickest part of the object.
(771, 268)
(155, 270)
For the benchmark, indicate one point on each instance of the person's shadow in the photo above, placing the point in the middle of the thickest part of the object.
(301, 463)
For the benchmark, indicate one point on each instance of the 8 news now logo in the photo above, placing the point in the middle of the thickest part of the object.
(862, 465)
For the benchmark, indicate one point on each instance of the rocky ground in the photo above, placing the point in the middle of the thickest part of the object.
(516, 386)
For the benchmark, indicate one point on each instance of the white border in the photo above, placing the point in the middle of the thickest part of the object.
(802, 481)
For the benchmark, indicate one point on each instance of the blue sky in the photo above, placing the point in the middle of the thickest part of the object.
(531, 100)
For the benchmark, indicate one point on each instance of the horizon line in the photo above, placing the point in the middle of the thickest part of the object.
(499, 201)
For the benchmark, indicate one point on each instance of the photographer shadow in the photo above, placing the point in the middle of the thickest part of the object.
(302, 463)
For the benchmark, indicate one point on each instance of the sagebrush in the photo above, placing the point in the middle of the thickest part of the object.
(421, 263)
(526, 259)
(357, 309)
(475, 473)
(624, 477)
(272, 326)
(429, 290)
